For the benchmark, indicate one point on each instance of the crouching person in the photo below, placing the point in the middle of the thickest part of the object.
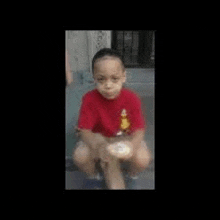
(106, 113)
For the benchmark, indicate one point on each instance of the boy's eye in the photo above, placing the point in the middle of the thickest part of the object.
(115, 79)
(101, 80)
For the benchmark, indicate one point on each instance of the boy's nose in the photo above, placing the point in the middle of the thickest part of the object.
(108, 84)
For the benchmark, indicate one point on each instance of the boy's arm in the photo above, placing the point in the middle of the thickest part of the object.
(97, 143)
(136, 139)
(92, 139)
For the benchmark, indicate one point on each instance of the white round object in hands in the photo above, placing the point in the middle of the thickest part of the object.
(119, 149)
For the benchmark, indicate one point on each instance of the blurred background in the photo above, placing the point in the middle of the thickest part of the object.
(138, 51)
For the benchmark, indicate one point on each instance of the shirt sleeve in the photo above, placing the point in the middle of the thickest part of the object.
(87, 114)
(136, 115)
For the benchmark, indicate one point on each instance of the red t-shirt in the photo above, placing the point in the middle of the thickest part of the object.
(101, 115)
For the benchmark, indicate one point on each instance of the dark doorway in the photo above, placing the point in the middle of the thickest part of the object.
(136, 47)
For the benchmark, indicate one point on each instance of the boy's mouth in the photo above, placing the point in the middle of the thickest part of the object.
(108, 93)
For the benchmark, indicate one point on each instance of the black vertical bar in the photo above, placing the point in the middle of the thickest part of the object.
(142, 47)
(116, 40)
(139, 47)
(132, 46)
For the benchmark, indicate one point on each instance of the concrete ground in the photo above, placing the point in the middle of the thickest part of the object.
(75, 179)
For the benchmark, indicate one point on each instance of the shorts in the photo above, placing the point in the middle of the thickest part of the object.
(124, 164)
(81, 143)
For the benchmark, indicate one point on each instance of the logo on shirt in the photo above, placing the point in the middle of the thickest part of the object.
(124, 122)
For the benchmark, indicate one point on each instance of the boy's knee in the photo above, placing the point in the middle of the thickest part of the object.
(143, 157)
(81, 155)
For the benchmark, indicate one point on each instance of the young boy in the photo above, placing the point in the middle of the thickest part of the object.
(106, 112)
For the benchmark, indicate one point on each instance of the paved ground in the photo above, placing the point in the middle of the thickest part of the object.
(75, 179)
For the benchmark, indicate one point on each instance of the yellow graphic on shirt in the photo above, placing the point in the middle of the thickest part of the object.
(125, 123)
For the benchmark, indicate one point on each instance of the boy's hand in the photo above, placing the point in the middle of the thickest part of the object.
(129, 144)
(122, 149)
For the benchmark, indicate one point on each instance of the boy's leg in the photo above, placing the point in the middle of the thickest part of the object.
(140, 161)
(112, 170)
(113, 175)
(83, 159)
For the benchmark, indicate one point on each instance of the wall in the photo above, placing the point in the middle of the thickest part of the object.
(77, 48)
(96, 41)
(81, 47)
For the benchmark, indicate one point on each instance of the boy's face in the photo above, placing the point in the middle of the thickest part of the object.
(109, 76)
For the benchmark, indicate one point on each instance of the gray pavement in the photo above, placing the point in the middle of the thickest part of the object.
(74, 180)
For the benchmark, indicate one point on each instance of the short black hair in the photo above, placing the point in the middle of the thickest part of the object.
(106, 52)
